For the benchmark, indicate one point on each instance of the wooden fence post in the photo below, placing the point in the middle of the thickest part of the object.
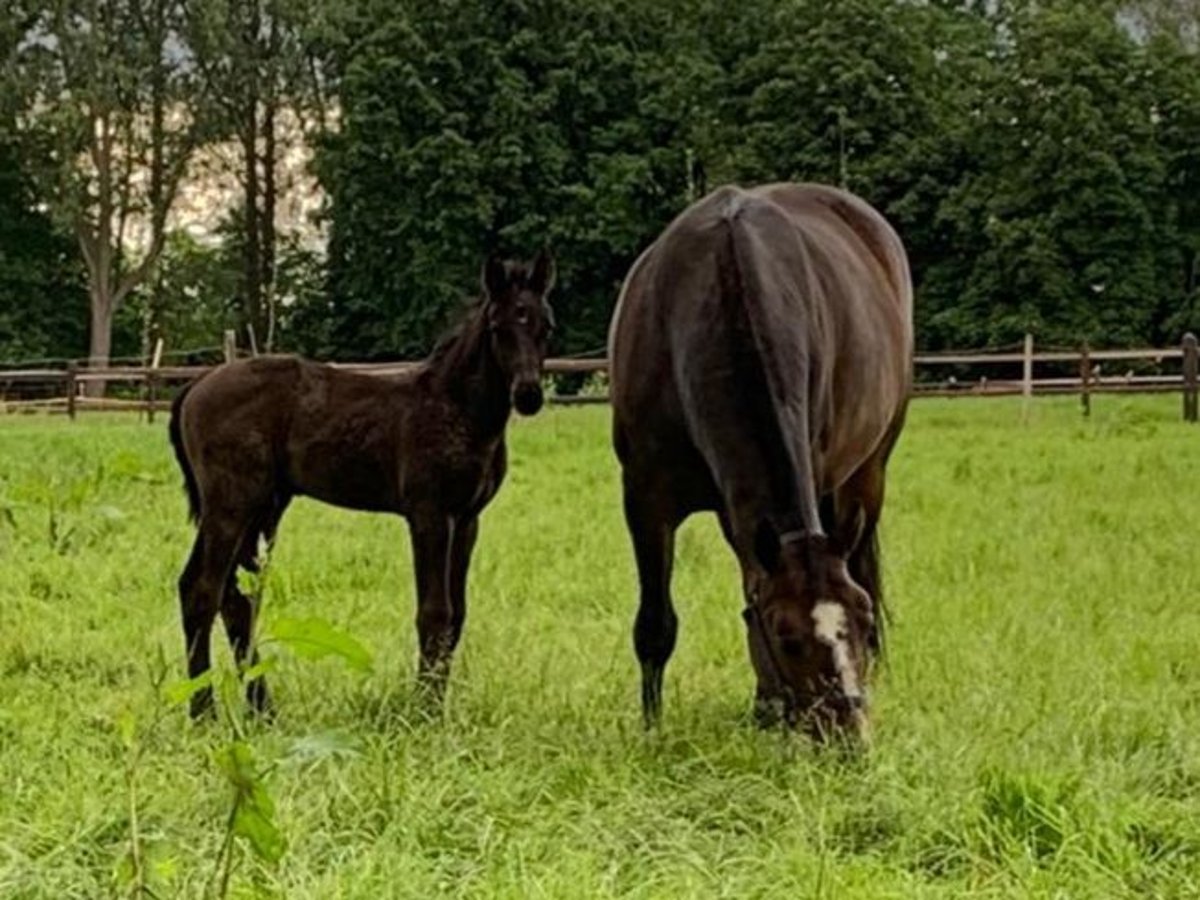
(1027, 368)
(72, 389)
(1085, 379)
(1027, 377)
(1191, 364)
(152, 380)
(230, 345)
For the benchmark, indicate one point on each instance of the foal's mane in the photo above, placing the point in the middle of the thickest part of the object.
(461, 340)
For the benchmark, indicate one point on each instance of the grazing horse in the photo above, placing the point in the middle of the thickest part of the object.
(427, 444)
(761, 357)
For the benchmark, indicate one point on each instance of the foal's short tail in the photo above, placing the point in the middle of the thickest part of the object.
(189, 476)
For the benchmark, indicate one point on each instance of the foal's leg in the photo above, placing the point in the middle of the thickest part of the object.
(465, 534)
(239, 613)
(653, 532)
(433, 537)
(201, 588)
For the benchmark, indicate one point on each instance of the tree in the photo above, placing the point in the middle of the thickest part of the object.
(253, 58)
(43, 305)
(467, 127)
(1172, 29)
(111, 117)
(1056, 227)
(43, 302)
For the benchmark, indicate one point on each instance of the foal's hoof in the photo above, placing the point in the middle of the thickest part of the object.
(201, 707)
(258, 698)
(430, 698)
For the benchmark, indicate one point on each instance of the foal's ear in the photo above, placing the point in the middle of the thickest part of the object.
(766, 546)
(541, 281)
(495, 277)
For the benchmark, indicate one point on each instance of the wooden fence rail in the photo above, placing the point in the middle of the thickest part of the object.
(1088, 363)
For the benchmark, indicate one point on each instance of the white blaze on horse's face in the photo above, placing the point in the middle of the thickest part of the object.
(830, 628)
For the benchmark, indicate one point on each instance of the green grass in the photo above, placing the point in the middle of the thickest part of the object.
(1037, 729)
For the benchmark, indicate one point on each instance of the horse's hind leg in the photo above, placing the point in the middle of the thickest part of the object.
(201, 589)
(652, 529)
(239, 612)
(856, 514)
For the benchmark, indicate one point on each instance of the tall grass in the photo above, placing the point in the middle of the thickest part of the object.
(1037, 726)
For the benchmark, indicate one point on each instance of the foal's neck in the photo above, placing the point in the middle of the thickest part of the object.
(464, 370)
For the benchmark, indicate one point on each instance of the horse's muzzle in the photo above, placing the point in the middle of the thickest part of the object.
(839, 718)
(527, 397)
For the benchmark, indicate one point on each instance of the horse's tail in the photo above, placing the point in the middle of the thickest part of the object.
(175, 429)
(786, 404)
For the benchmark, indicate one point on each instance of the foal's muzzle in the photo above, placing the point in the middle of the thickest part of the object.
(527, 397)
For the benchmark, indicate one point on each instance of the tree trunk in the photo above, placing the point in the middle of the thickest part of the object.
(100, 343)
(252, 286)
(267, 231)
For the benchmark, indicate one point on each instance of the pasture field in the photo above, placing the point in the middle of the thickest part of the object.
(1037, 727)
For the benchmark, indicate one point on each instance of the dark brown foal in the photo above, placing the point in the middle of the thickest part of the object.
(428, 445)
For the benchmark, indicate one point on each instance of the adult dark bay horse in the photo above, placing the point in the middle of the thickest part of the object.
(429, 445)
(761, 357)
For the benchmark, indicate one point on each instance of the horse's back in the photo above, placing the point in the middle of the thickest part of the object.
(248, 397)
(865, 293)
(285, 425)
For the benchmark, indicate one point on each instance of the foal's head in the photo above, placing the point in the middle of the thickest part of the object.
(811, 629)
(519, 322)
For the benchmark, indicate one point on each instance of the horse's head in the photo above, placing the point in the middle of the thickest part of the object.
(519, 322)
(810, 629)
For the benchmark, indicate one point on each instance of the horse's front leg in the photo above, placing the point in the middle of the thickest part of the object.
(433, 539)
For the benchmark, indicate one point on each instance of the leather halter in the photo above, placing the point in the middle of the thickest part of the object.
(753, 616)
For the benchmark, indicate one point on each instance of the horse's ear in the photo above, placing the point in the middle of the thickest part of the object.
(766, 546)
(495, 277)
(544, 272)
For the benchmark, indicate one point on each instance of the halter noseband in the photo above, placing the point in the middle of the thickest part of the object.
(753, 617)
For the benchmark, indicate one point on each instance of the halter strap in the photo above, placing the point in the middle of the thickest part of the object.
(754, 617)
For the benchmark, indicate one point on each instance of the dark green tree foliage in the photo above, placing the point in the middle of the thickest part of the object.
(43, 298)
(1176, 78)
(1057, 225)
(1038, 158)
(469, 126)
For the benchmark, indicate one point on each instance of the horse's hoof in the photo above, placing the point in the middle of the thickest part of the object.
(769, 712)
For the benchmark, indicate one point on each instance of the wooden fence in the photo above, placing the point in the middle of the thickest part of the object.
(939, 375)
